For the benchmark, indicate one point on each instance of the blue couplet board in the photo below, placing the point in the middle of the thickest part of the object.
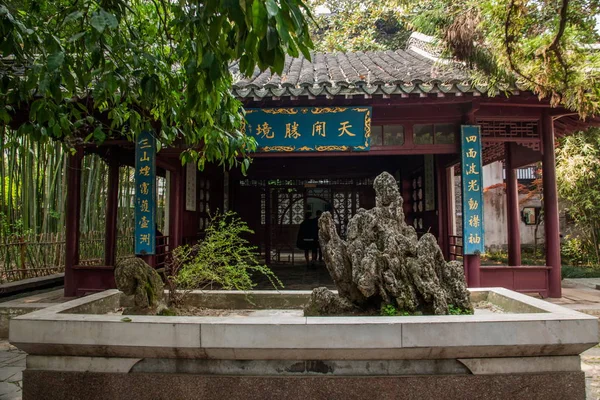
(304, 129)
(145, 194)
(472, 190)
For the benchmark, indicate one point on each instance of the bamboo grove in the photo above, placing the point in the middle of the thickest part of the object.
(32, 207)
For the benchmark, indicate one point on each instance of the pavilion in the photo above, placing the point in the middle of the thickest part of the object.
(415, 105)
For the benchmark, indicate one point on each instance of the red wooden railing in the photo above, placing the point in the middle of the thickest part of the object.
(455, 244)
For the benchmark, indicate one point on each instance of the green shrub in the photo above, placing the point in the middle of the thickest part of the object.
(574, 251)
(223, 260)
(568, 271)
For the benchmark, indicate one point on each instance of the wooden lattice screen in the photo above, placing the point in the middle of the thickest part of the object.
(495, 133)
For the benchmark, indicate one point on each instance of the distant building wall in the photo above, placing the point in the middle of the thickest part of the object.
(495, 216)
(496, 229)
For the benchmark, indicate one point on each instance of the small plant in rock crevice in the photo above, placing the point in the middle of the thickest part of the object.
(453, 310)
(222, 260)
(389, 310)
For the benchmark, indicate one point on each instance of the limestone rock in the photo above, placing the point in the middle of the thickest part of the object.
(383, 262)
(324, 301)
(136, 278)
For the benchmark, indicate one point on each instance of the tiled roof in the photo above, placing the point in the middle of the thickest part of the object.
(414, 70)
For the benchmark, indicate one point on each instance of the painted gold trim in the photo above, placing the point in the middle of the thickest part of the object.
(274, 111)
(328, 110)
(332, 148)
(286, 149)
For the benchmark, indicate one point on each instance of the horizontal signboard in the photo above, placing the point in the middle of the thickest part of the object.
(304, 129)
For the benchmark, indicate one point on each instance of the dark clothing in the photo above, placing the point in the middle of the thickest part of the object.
(308, 235)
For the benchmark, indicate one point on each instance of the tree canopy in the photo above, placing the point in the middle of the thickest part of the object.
(348, 25)
(88, 70)
(548, 46)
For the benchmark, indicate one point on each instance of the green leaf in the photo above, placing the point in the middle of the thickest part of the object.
(76, 37)
(245, 166)
(98, 22)
(283, 29)
(126, 319)
(272, 8)
(279, 61)
(207, 59)
(110, 20)
(99, 134)
(73, 16)
(55, 60)
(259, 18)
(272, 38)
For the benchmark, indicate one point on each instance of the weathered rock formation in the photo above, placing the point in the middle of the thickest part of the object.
(383, 262)
(136, 278)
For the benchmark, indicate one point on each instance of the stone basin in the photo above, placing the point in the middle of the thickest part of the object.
(77, 350)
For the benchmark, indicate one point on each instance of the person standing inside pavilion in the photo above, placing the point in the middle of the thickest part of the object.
(308, 238)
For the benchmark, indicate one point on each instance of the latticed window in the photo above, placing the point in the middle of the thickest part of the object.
(297, 209)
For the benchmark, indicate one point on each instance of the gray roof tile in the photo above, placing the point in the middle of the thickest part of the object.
(379, 72)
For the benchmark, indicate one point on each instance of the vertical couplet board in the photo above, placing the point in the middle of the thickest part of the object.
(145, 194)
(190, 186)
(472, 190)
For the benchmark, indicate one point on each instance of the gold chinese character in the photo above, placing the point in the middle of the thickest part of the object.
(144, 222)
(265, 131)
(145, 238)
(319, 128)
(144, 144)
(145, 170)
(471, 153)
(473, 185)
(144, 188)
(344, 126)
(144, 206)
(473, 204)
(291, 131)
(472, 169)
(474, 221)
(474, 238)
(471, 139)
(145, 157)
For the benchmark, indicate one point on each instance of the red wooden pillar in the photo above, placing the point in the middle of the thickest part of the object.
(551, 226)
(473, 267)
(72, 220)
(442, 208)
(512, 208)
(110, 240)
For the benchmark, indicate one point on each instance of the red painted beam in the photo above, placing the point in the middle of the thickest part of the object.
(551, 225)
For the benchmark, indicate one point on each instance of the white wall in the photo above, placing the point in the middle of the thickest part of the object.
(495, 217)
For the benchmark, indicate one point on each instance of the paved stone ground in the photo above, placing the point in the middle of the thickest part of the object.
(298, 277)
(12, 363)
